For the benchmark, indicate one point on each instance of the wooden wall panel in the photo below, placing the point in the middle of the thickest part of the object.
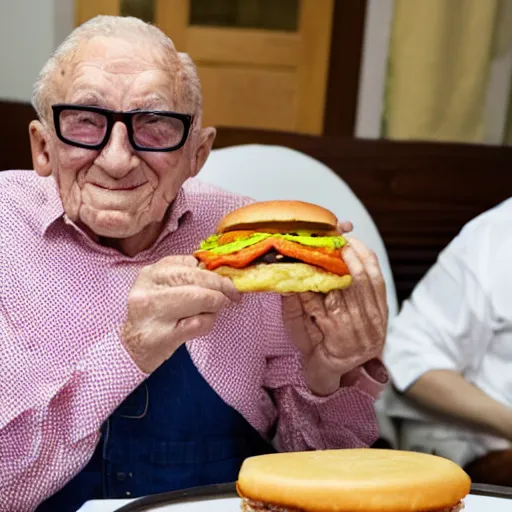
(249, 97)
(14, 141)
(419, 194)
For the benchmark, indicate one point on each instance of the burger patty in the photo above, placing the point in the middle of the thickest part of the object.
(256, 506)
(326, 258)
(273, 256)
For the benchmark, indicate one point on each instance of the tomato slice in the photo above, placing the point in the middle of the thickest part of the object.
(328, 259)
(323, 257)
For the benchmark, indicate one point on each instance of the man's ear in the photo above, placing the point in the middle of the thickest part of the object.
(206, 138)
(40, 151)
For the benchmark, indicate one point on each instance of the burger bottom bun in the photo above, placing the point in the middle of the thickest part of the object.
(284, 278)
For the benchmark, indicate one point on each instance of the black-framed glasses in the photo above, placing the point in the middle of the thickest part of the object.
(148, 130)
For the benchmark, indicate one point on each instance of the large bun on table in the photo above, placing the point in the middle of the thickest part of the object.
(352, 480)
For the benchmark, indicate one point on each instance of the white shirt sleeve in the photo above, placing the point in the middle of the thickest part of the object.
(445, 324)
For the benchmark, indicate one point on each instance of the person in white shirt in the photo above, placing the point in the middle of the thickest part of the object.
(449, 351)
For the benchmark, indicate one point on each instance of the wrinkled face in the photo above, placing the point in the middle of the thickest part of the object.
(118, 192)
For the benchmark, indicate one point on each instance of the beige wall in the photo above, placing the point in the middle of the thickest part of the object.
(29, 31)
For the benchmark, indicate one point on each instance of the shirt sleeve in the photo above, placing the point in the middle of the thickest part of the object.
(446, 324)
(50, 418)
(345, 419)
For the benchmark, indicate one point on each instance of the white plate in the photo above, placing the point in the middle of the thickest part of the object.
(486, 504)
(473, 504)
(211, 505)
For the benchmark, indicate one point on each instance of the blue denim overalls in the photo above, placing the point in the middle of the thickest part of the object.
(172, 432)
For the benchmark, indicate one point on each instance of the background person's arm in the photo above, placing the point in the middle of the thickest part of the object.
(442, 333)
(447, 393)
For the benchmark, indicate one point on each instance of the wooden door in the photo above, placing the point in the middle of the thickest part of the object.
(262, 63)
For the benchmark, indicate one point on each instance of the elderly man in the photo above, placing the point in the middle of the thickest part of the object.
(125, 369)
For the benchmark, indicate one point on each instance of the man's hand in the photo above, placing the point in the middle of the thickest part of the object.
(344, 329)
(170, 303)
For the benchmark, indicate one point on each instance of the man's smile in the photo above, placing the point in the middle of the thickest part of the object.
(118, 188)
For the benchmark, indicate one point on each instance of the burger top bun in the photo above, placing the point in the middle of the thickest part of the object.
(282, 215)
(364, 480)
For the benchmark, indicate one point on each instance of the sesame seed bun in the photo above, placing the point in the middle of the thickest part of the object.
(353, 480)
(280, 216)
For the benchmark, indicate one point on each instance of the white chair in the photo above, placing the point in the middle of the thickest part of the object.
(275, 172)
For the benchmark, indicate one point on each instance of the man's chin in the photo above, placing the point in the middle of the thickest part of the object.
(112, 233)
(113, 225)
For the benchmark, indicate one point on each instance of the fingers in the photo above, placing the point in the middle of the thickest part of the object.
(339, 325)
(368, 293)
(193, 300)
(174, 275)
(177, 303)
(333, 302)
(292, 306)
(315, 316)
(358, 313)
(302, 326)
(313, 304)
(345, 226)
(366, 265)
(363, 323)
(299, 304)
(348, 307)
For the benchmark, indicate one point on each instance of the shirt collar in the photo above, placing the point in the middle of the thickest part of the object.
(179, 208)
(53, 211)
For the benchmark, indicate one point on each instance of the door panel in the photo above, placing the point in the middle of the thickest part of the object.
(242, 97)
(262, 63)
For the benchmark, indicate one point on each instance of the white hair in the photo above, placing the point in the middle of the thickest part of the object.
(180, 65)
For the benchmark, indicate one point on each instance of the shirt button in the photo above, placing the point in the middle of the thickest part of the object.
(128, 493)
(121, 477)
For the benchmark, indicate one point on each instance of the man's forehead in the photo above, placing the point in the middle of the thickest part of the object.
(108, 66)
(117, 55)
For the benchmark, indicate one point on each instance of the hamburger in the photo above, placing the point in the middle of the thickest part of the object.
(353, 480)
(278, 246)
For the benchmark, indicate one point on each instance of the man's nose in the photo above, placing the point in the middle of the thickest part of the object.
(117, 157)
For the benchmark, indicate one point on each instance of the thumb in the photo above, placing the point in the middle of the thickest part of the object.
(345, 226)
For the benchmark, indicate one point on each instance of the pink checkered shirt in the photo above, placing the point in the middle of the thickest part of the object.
(63, 369)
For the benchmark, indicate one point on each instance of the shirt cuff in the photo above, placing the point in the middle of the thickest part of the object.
(111, 353)
(345, 418)
(370, 378)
